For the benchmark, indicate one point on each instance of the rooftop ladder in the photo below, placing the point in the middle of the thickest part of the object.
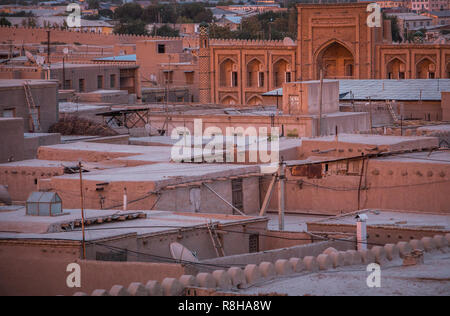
(392, 112)
(33, 122)
(215, 240)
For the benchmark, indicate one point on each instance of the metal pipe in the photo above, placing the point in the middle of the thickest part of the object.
(226, 202)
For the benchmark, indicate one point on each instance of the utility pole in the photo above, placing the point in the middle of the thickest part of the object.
(370, 115)
(281, 184)
(48, 48)
(320, 102)
(48, 54)
(125, 199)
(82, 209)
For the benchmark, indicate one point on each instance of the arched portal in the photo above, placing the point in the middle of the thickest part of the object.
(336, 61)
(228, 73)
(281, 73)
(229, 100)
(395, 69)
(255, 100)
(426, 69)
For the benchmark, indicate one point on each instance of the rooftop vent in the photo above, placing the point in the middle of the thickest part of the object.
(44, 204)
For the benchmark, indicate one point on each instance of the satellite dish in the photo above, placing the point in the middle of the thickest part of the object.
(41, 49)
(180, 252)
(30, 57)
(65, 50)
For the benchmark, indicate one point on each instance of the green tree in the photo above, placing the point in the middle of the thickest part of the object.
(128, 12)
(94, 4)
(166, 30)
(216, 31)
(4, 22)
(134, 27)
(395, 29)
(106, 13)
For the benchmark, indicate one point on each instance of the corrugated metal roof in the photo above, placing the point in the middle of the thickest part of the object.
(386, 89)
(119, 58)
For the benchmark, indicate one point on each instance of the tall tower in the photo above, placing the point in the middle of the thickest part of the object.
(204, 65)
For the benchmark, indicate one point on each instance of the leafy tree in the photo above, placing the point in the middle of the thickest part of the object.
(106, 13)
(128, 12)
(395, 29)
(216, 31)
(134, 27)
(4, 22)
(166, 30)
(94, 4)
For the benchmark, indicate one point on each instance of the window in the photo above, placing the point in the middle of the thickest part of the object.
(189, 77)
(99, 82)
(249, 79)
(68, 84)
(253, 243)
(234, 79)
(81, 85)
(9, 113)
(261, 79)
(237, 194)
(168, 77)
(288, 77)
(401, 75)
(112, 81)
(161, 49)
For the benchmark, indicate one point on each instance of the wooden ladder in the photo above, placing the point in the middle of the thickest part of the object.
(31, 108)
(215, 240)
(391, 110)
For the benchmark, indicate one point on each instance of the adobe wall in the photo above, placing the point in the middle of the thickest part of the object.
(43, 271)
(37, 35)
(110, 198)
(292, 126)
(445, 104)
(301, 251)
(44, 95)
(303, 98)
(379, 235)
(33, 141)
(396, 185)
(11, 139)
(22, 179)
(179, 200)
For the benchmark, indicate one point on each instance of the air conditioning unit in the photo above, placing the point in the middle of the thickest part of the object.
(235, 67)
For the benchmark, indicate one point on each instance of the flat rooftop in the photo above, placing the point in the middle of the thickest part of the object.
(167, 173)
(430, 278)
(17, 225)
(435, 157)
(6, 84)
(393, 219)
(378, 140)
(387, 89)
